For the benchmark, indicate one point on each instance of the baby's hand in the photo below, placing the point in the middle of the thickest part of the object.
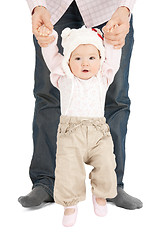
(114, 27)
(43, 31)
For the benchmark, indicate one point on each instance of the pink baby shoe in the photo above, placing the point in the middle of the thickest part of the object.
(99, 210)
(69, 220)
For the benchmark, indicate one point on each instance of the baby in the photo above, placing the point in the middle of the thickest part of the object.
(82, 76)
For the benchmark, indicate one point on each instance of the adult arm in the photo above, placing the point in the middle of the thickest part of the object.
(121, 17)
(40, 16)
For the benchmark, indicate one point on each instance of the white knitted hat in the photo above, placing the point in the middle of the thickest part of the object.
(72, 38)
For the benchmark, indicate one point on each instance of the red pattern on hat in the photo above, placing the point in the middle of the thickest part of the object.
(93, 29)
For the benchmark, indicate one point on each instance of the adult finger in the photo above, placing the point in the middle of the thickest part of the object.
(114, 37)
(120, 31)
(47, 22)
(116, 43)
(110, 24)
(36, 23)
(45, 40)
(43, 44)
(123, 28)
(119, 46)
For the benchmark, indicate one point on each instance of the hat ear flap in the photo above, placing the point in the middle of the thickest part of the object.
(65, 33)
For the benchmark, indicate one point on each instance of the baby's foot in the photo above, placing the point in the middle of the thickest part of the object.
(101, 201)
(100, 207)
(69, 211)
(69, 217)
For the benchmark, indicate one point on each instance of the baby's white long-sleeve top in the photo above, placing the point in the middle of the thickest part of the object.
(82, 98)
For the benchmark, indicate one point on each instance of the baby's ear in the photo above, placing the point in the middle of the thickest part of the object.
(65, 33)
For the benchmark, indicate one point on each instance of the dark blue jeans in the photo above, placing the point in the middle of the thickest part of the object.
(47, 108)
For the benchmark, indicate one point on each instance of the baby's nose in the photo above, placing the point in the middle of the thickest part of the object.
(85, 63)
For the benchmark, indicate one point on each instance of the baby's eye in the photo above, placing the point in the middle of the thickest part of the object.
(77, 58)
(92, 58)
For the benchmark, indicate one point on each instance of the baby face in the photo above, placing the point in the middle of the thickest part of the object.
(84, 61)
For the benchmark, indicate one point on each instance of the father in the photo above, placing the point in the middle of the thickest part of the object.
(103, 14)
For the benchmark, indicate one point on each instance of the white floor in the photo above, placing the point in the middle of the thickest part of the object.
(144, 161)
(46, 222)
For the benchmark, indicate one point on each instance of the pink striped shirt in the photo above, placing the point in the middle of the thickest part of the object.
(93, 12)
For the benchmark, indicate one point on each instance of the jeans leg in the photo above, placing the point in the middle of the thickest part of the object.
(47, 110)
(45, 122)
(117, 106)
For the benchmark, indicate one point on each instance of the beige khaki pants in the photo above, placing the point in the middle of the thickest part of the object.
(79, 141)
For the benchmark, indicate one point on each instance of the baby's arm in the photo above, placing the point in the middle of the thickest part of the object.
(112, 62)
(52, 58)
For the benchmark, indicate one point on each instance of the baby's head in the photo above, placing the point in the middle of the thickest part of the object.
(83, 52)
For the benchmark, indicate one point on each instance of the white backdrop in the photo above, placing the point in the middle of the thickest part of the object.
(143, 172)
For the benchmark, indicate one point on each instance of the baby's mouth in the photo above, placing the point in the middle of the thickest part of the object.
(85, 71)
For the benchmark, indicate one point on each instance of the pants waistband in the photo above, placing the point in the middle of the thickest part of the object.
(86, 120)
(69, 124)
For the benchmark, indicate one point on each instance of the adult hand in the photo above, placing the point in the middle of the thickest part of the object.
(41, 16)
(116, 29)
